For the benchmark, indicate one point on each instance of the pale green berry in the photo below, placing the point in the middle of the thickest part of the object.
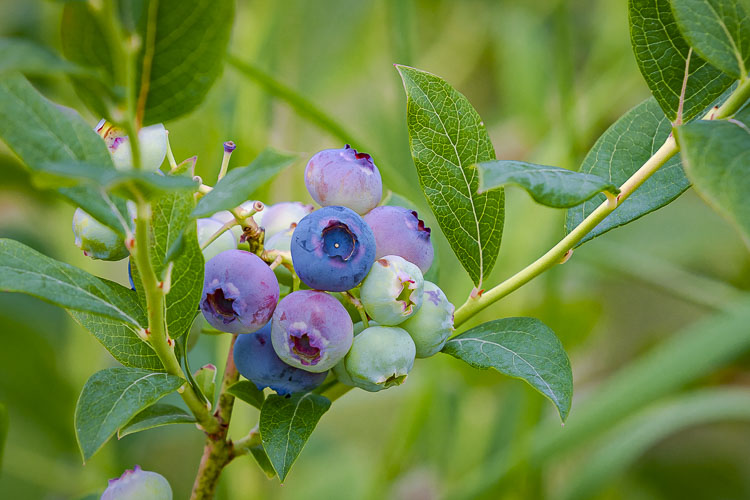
(431, 326)
(152, 144)
(392, 291)
(97, 240)
(138, 484)
(380, 357)
(206, 229)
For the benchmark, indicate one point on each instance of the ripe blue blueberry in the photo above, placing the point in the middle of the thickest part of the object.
(399, 231)
(380, 357)
(280, 217)
(344, 177)
(258, 362)
(239, 292)
(332, 249)
(431, 326)
(152, 143)
(392, 291)
(97, 240)
(138, 484)
(206, 229)
(311, 330)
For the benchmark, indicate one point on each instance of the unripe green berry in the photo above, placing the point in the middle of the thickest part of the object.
(380, 357)
(392, 291)
(431, 326)
(97, 240)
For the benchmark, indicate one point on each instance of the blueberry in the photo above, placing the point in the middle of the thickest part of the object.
(97, 240)
(340, 370)
(432, 324)
(399, 231)
(380, 357)
(152, 142)
(332, 249)
(138, 484)
(280, 217)
(258, 362)
(239, 292)
(206, 229)
(392, 291)
(311, 330)
(344, 177)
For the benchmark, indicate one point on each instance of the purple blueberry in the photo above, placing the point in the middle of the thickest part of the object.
(399, 231)
(280, 217)
(311, 330)
(344, 177)
(431, 326)
(240, 292)
(332, 249)
(392, 291)
(138, 484)
(258, 362)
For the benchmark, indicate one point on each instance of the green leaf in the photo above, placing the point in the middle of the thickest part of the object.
(716, 155)
(617, 155)
(184, 57)
(247, 392)
(183, 45)
(111, 398)
(395, 199)
(30, 58)
(155, 415)
(24, 270)
(661, 53)
(630, 440)
(552, 186)
(150, 184)
(286, 424)
(169, 214)
(49, 135)
(447, 136)
(719, 30)
(4, 424)
(240, 183)
(120, 339)
(523, 348)
(260, 456)
(205, 377)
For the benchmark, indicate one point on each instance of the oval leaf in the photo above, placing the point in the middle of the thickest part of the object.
(120, 339)
(111, 398)
(617, 155)
(524, 348)
(716, 155)
(286, 424)
(719, 30)
(24, 270)
(240, 183)
(661, 53)
(247, 392)
(447, 136)
(551, 186)
(155, 415)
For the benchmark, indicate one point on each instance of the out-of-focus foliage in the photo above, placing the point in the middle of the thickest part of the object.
(547, 78)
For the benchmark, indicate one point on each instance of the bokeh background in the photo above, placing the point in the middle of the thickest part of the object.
(635, 308)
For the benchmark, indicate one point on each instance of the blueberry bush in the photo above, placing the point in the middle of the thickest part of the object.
(346, 293)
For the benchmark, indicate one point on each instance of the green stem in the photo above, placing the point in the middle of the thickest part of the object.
(556, 254)
(158, 337)
(559, 253)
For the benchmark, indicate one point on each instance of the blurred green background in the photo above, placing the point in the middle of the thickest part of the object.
(661, 407)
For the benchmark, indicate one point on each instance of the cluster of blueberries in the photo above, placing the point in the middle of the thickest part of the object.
(363, 308)
(350, 251)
